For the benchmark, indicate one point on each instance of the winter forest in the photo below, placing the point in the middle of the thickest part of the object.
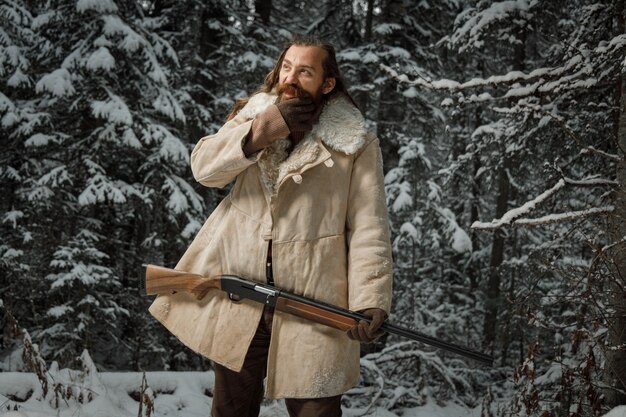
(503, 131)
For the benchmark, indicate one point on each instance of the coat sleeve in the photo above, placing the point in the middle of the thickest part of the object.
(217, 159)
(369, 249)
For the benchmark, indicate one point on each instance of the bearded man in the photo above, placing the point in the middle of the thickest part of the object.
(307, 214)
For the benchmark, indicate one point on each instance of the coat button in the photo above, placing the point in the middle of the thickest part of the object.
(266, 233)
(329, 163)
(297, 178)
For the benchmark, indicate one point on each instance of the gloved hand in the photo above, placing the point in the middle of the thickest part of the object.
(298, 113)
(367, 332)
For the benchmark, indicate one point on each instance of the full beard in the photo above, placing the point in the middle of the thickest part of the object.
(319, 99)
(297, 92)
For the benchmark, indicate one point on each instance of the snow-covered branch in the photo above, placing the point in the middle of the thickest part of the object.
(513, 217)
(575, 73)
(566, 216)
(550, 218)
(591, 182)
(591, 149)
(511, 77)
(515, 213)
(612, 245)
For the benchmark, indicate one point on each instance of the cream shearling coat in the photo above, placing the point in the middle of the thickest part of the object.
(323, 208)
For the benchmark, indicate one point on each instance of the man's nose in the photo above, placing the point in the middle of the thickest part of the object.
(290, 77)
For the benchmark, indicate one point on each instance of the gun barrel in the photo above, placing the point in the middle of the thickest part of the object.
(429, 340)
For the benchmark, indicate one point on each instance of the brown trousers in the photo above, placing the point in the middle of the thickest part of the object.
(239, 394)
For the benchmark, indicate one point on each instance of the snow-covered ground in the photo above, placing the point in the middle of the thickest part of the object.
(89, 393)
(115, 394)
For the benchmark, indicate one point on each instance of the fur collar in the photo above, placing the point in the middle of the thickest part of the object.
(341, 127)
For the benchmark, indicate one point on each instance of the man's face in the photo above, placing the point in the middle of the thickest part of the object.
(301, 73)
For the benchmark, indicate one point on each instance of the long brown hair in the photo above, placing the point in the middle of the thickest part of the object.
(330, 66)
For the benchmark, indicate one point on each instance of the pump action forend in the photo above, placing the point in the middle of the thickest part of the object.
(161, 280)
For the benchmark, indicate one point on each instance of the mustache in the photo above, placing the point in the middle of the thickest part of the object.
(300, 93)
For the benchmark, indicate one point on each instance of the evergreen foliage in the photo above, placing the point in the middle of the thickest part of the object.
(505, 110)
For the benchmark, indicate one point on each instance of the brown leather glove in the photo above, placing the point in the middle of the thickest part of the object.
(298, 113)
(367, 332)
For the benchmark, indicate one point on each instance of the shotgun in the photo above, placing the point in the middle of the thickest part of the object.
(161, 280)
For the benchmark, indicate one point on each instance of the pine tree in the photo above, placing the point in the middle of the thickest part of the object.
(105, 175)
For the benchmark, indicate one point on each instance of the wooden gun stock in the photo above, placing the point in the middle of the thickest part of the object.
(161, 280)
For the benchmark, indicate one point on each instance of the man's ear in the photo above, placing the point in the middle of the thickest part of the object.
(329, 84)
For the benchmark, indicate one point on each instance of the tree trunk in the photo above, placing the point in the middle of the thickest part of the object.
(473, 271)
(497, 256)
(615, 368)
(368, 21)
(497, 251)
(263, 8)
(391, 107)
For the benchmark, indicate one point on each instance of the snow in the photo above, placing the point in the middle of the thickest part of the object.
(481, 22)
(589, 149)
(349, 55)
(403, 201)
(101, 59)
(42, 19)
(409, 230)
(40, 193)
(619, 411)
(157, 73)
(566, 216)
(11, 54)
(182, 195)
(399, 52)
(461, 242)
(55, 177)
(18, 78)
(39, 139)
(59, 311)
(11, 254)
(411, 92)
(174, 149)
(514, 216)
(132, 40)
(370, 57)
(515, 213)
(5, 103)
(509, 78)
(167, 105)
(114, 110)
(102, 41)
(432, 409)
(250, 60)
(100, 6)
(101, 189)
(12, 217)
(191, 229)
(79, 272)
(386, 28)
(130, 139)
(90, 393)
(57, 82)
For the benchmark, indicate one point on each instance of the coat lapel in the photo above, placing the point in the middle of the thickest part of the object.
(341, 127)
